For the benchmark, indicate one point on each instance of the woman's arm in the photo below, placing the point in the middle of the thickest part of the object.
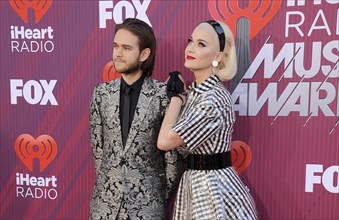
(169, 139)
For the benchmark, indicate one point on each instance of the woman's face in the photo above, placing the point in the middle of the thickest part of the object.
(202, 49)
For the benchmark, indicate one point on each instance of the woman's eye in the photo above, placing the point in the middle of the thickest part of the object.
(201, 44)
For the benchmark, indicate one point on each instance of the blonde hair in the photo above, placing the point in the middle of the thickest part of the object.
(227, 67)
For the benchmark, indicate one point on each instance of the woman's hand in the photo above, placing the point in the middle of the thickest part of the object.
(176, 86)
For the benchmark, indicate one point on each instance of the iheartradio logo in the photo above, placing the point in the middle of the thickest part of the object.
(43, 148)
(31, 40)
(245, 19)
(21, 7)
(241, 155)
(109, 73)
(258, 12)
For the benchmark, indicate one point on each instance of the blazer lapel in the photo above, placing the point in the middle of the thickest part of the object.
(115, 105)
(145, 98)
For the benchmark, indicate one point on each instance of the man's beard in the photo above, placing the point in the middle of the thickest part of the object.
(133, 68)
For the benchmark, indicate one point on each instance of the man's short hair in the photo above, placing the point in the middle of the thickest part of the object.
(146, 38)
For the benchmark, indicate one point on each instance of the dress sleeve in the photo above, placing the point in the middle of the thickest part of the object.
(200, 124)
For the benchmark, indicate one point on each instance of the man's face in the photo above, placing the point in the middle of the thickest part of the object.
(126, 52)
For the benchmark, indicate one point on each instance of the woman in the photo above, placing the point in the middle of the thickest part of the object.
(210, 188)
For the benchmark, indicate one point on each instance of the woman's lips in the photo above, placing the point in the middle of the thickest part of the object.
(190, 58)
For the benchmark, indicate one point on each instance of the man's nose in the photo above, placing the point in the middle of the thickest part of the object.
(118, 52)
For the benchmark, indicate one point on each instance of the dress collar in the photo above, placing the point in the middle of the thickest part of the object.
(208, 84)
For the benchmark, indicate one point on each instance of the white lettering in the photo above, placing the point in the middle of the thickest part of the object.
(48, 96)
(319, 102)
(296, 26)
(291, 51)
(314, 2)
(32, 46)
(36, 193)
(303, 97)
(15, 91)
(311, 178)
(33, 92)
(22, 33)
(295, 23)
(300, 60)
(104, 15)
(314, 26)
(141, 10)
(27, 180)
(122, 10)
(327, 179)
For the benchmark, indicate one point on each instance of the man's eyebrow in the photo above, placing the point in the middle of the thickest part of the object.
(123, 45)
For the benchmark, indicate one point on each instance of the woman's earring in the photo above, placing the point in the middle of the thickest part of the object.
(214, 65)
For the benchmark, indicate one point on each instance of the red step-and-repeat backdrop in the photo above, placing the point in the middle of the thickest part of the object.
(53, 53)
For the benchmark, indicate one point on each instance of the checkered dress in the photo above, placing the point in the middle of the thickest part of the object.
(206, 126)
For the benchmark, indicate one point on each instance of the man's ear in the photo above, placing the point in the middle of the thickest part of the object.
(145, 54)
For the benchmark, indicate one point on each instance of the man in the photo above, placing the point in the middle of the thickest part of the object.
(133, 176)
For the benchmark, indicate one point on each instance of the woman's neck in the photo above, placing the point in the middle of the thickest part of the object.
(201, 76)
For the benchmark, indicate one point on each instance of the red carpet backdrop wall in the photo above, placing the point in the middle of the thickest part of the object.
(285, 95)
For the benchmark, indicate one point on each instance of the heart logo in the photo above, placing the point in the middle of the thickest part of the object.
(21, 7)
(109, 73)
(241, 155)
(43, 148)
(258, 13)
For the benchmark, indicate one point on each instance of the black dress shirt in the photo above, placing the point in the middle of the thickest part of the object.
(134, 96)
